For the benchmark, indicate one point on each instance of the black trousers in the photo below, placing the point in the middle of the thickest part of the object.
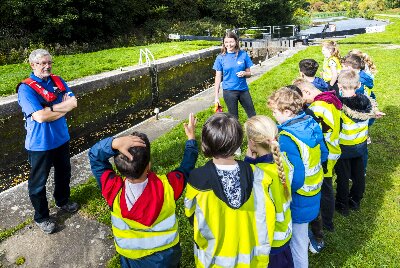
(327, 209)
(41, 163)
(346, 169)
(232, 97)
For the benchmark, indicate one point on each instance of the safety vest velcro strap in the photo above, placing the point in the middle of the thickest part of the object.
(146, 243)
(312, 171)
(162, 226)
(283, 235)
(354, 126)
(310, 188)
(231, 261)
(280, 216)
(354, 136)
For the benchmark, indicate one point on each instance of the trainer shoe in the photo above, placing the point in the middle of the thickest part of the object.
(47, 226)
(315, 246)
(353, 205)
(342, 209)
(70, 207)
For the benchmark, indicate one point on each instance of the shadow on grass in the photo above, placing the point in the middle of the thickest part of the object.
(353, 233)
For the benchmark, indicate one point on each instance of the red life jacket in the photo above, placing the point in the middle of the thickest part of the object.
(48, 96)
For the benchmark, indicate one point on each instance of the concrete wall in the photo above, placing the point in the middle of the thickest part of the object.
(108, 96)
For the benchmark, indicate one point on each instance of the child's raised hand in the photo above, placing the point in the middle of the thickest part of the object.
(122, 144)
(190, 127)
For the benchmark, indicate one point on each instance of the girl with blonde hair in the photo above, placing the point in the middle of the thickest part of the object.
(264, 151)
(331, 66)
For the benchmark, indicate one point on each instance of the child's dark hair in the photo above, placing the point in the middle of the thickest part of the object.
(354, 61)
(221, 136)
(308, 67)
(141, 158)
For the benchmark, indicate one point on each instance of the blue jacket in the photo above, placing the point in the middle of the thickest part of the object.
(304, 209)
(366, 81)
(320, 84)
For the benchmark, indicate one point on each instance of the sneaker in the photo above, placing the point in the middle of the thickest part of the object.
(315, 246)
(353, 205)
(70, 207)
(369, 140)
(47, 226)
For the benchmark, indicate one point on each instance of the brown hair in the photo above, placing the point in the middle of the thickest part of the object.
(230, 34)
(263, 131)
(286, 99)
(308, 67)
(366, 60)
(354, 61)
(333, 48)
(221, 136)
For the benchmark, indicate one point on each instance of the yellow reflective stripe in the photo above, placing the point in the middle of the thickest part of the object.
(228, 261)
(351, 137)
(333, 156)
(324, 112)
(146, 243)
(280, 217)
(311, 187)
(312, 171)
(165, 225)
(189, 203)
(283, 235)
(354, 126)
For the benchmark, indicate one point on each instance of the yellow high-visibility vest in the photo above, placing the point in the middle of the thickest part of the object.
(135, 240)
(283, 221)
(330, 115)
(314, 173)
(327, 72)
(353, 133)
(227, 237)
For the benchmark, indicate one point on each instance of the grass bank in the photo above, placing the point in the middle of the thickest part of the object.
(368, 238)
(76, 66)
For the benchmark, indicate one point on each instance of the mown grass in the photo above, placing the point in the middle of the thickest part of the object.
(368, 238)
(75, 66)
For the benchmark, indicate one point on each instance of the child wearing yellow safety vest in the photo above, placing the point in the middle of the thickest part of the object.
(300, 137)
(331, 67)
(263, 151)
(356, 111)
(228, 203)
(142, 202)
(326, 107)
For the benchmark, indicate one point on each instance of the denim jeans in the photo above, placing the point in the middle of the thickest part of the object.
(168, 258)
(41, 163)
(299, 245)
(232, 97)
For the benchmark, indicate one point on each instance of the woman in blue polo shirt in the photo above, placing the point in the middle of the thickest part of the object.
(232, 67)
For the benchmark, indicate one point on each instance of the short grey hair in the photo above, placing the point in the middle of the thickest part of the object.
(37, 54)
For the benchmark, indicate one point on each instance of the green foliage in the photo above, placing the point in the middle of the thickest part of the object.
(79, 65)
(4, 234)
(20, 260)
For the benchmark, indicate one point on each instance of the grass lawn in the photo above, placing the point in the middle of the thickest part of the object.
(368, 238)
(70, 67)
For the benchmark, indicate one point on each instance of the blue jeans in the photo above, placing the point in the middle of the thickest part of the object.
(41, 163)
(232, 97)
(168, 258)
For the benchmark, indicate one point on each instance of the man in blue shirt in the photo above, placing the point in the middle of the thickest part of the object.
(45, 99)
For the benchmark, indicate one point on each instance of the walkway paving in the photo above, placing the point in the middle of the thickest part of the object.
(81, 242)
